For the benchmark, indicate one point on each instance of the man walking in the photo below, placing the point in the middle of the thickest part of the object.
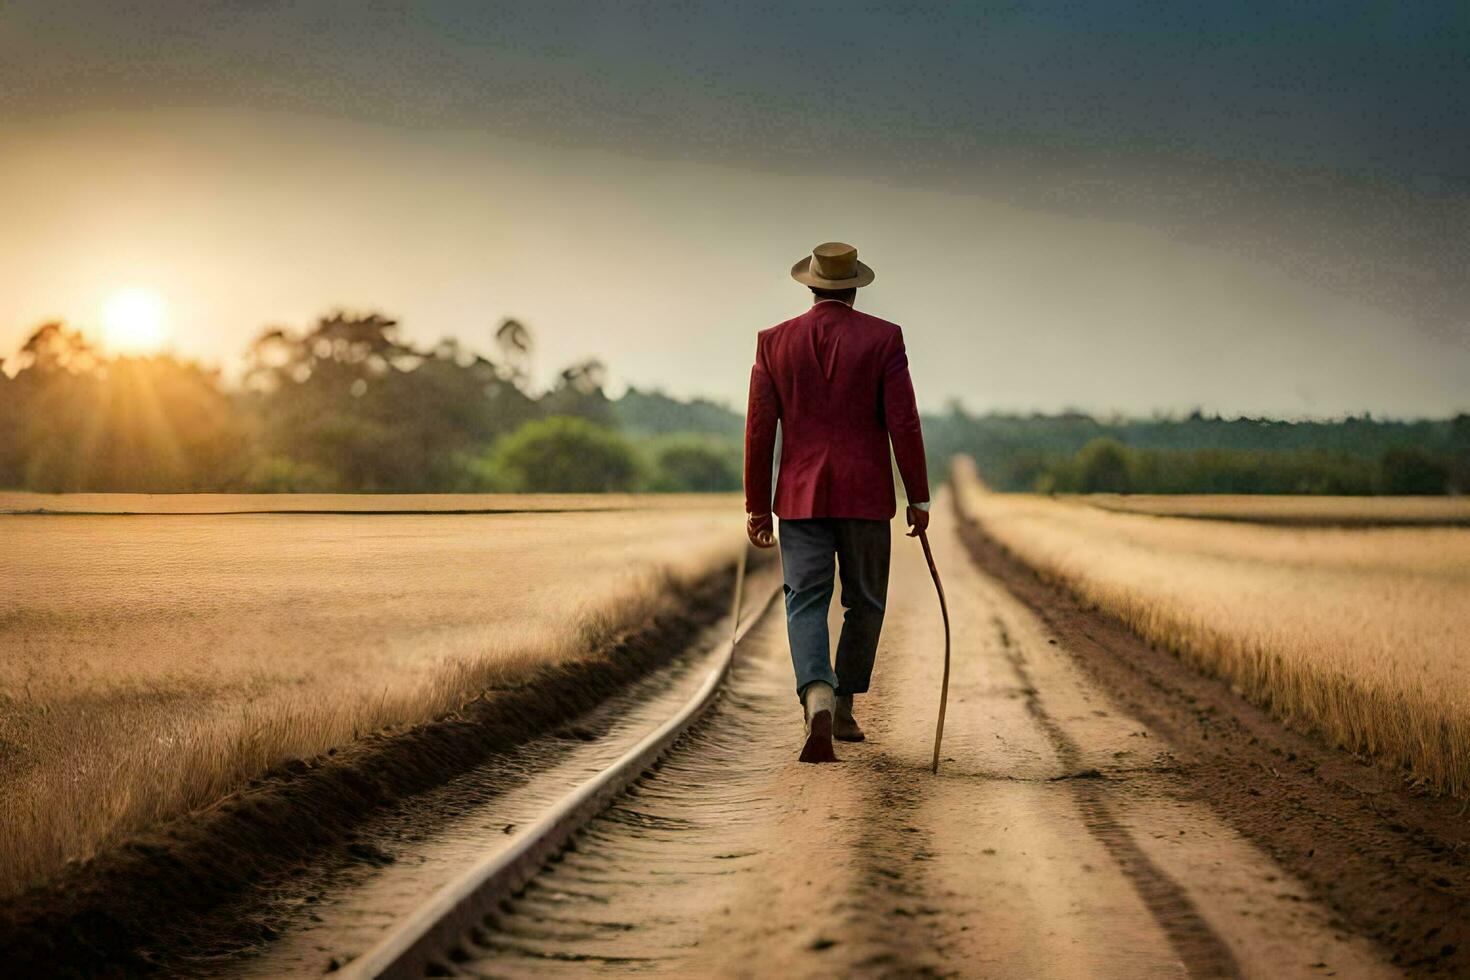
(838, 383)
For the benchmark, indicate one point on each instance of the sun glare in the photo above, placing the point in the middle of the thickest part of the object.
(135, 321)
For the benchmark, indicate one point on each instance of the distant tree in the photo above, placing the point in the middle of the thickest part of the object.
(1350, 449)
(12, 418)
(585, 377)
(352, 399)
(76, 420)
(1459, 456)
(579, 392)
(1406, 471)
(1096, 468)
(565, 454)
(656, 414)
(1103, 467)
(277, 474)
(695, 464)
(514, 342)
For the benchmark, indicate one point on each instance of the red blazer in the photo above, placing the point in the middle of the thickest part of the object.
(838, 381)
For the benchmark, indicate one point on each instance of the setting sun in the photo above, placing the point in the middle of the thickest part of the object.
(135, 321)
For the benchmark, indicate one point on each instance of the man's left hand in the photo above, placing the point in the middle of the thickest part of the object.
(918, 521)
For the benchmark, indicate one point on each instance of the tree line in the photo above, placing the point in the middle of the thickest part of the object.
(1108, 466)
(345, 405)
(1076, 453)
(349, 405)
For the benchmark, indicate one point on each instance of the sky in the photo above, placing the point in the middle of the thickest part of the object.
(1256, 208)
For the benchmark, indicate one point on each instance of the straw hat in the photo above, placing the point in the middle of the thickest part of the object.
(832, 265)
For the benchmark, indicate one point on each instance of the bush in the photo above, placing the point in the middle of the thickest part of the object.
(280, 474)
(1107, 466)
(693, 464)
(1408, 471)
(563, 454)
(1103, 467)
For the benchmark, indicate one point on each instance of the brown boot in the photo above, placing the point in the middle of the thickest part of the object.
(844, 725)
(818, 703)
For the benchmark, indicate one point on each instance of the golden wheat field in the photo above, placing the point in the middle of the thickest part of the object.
(1303, 511)
(151, 663)
(1362, 634)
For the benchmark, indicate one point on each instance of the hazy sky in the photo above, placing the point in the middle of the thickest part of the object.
(1108, 206)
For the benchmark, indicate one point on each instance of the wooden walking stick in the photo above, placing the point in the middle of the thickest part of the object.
(738, 600)
(943, 611)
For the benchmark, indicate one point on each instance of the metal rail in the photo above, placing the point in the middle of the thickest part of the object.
(421, 941)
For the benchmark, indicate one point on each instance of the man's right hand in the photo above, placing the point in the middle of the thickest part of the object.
(760, 531)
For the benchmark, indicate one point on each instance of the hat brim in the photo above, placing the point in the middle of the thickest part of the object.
(802, 273)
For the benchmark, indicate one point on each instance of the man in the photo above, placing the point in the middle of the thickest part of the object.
(838, 382)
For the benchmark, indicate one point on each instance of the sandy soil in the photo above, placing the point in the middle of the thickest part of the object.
(1061, 838)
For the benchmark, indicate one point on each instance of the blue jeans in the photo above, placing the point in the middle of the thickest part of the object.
(861, 549)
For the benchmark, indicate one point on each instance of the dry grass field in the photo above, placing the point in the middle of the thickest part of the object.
(151, 664)
(1362, 634)
(29, 502)
(1301, 511)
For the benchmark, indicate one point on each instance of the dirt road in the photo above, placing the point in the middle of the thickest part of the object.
(1059, 840)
